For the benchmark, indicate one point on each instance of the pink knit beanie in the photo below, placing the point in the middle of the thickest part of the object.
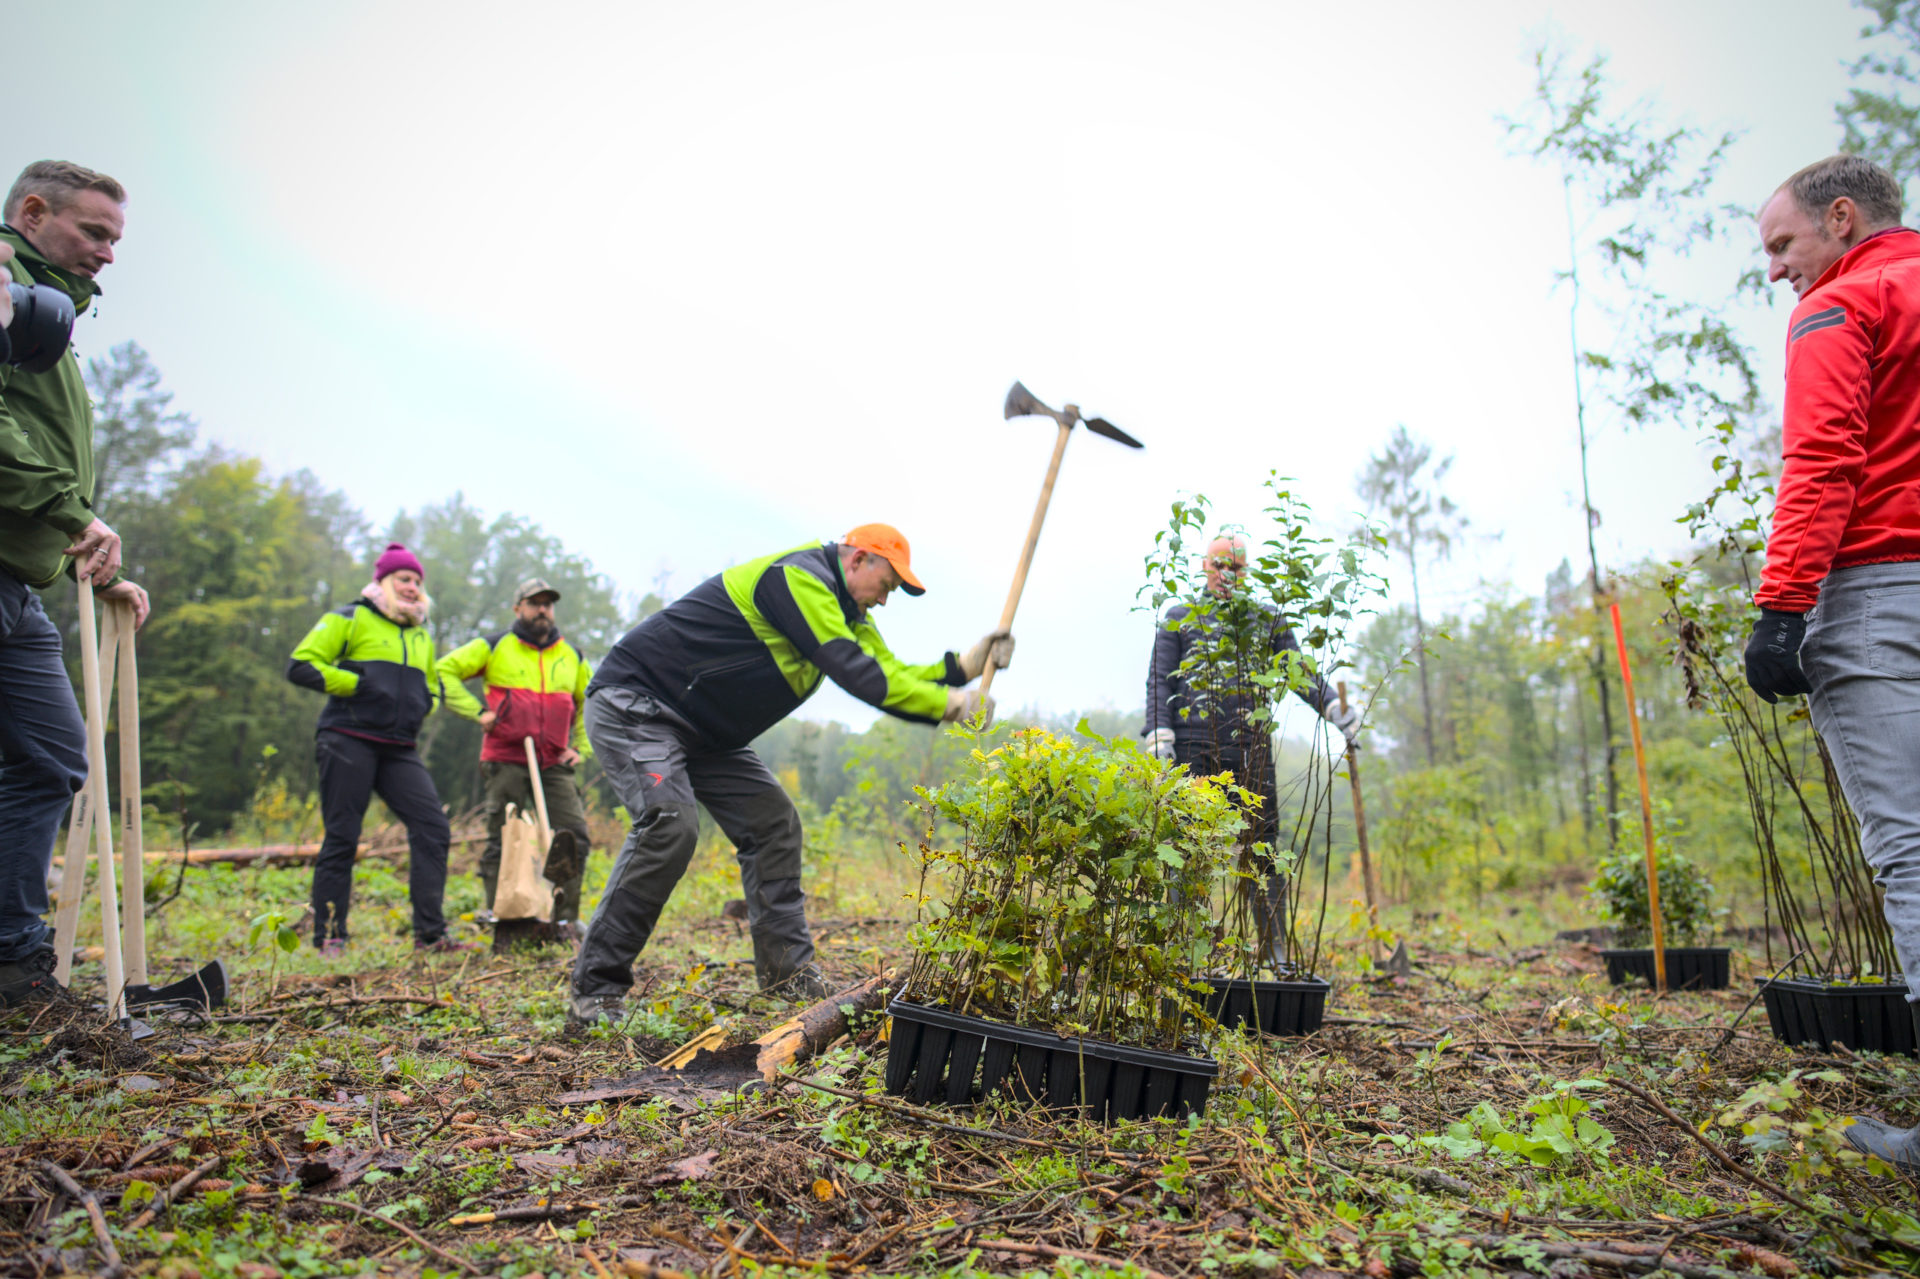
(395, 558)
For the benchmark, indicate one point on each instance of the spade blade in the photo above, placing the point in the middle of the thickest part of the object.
(1100, 426)
(206, 989)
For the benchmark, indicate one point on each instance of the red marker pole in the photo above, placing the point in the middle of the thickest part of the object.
(1646, 806)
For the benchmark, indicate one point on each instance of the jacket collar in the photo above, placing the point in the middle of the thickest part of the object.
(848, 605)
(77, 287)
(1881, 246)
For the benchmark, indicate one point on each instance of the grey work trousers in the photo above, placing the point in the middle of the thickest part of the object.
(659, 766)
(1862, 656)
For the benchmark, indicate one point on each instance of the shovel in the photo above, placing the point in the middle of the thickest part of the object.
(126, 928)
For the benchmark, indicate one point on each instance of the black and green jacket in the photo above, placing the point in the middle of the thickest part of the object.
(46, 441)
(738, 653)
(378, 674)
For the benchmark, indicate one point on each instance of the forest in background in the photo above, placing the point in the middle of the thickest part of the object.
(1497, 758)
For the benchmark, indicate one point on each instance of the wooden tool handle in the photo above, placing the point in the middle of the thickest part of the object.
(539, 797)
(1026, 552)
(102, 810)
(1360, 818)
(133, 849)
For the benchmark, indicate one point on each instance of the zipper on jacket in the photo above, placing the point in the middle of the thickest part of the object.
(723, 668)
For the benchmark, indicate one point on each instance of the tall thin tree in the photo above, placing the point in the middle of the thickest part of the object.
(1400, 485)
(1636, 194)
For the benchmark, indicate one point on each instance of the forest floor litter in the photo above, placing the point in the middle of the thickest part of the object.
(1499, 1111)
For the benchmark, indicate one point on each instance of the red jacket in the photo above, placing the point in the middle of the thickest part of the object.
(1849, 490)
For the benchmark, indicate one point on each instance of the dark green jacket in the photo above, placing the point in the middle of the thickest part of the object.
(739, 652)
(378, 674)
(46, 442)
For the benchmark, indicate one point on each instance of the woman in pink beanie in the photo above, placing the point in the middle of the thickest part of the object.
(374, 660)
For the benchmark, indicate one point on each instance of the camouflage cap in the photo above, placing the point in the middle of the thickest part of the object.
(534, 586)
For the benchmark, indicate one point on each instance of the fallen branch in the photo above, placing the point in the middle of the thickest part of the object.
(172, 1193)
(351, 1001)
(549, 1212)
(94, 1215)
(1048, 1250)
(406, 1230)
(1720, 1156)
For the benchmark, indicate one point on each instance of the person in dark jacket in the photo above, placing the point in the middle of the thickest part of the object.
(1839, 596)
(674, 705)
(374, 660)
(1202, 698)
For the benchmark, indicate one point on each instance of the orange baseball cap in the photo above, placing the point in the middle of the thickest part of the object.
(886, 541)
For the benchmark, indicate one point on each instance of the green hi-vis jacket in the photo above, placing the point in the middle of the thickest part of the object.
(46, 441)
(735, 655)
(377, 673)
(534, 690)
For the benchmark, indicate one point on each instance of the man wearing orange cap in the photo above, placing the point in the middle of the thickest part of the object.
(672, 709)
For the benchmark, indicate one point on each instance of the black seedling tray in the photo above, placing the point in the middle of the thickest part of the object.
(1688, 967)
(939, 1056)
(1293, 1007)
(1868, 1017)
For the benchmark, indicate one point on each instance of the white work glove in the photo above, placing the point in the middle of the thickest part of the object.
(1160, 743)
(965, 703)
(1347, 720)
(998, 644)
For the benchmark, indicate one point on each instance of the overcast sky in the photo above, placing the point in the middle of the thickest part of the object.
(687, 283)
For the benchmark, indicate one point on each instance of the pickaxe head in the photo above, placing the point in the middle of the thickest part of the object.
(1021, 403)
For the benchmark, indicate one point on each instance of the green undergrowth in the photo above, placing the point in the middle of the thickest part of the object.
(1468, 1119)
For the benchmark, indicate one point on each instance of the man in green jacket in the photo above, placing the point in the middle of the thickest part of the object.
(676, 702)
(62, 222)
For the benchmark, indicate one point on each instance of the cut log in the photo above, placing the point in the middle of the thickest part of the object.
(704, 1063)
(820, 1024)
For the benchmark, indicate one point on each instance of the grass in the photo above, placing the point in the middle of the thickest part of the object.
(1474, 1119)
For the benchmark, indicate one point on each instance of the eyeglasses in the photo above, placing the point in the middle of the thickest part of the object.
(1224, 563)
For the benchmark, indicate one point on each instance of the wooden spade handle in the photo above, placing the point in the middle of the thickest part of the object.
(539, 798)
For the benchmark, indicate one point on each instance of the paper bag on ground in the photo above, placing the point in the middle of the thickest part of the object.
(522, 893)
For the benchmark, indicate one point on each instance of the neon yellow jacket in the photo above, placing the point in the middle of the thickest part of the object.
(536, 691)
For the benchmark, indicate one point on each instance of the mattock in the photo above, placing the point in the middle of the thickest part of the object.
(1021, 403)
(123, 921)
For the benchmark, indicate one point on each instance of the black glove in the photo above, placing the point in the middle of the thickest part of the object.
(1773, 655)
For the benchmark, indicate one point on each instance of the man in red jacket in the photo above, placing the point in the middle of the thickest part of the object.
(536, 683)
(1840, 595)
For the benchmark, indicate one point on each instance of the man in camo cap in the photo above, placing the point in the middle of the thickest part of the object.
(535, 685)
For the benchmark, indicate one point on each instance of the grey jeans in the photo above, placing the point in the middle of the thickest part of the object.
(659, 766)
(1862, 656)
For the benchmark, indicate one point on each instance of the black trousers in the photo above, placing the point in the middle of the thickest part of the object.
(352, 771)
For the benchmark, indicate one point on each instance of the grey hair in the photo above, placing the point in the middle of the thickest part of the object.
(1873, 190)
(58, 182)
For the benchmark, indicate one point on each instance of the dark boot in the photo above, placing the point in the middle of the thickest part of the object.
(1897, 1146)
(31, 981)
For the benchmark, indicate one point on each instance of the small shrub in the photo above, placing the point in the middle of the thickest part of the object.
(1078, 893)
(1686, 898)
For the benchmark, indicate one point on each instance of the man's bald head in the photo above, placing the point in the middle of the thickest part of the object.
(1226, 561)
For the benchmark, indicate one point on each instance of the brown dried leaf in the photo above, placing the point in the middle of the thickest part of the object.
(692, 1168)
